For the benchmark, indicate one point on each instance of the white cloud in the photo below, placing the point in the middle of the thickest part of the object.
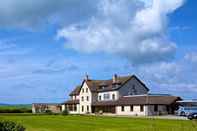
(177, 77)
(133, 29)
(191, 57)
(30, 13)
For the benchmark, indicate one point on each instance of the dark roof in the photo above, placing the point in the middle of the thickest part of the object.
(71, 102)
(97, 85)
(141, 100)
(76, 91)
(148, 100)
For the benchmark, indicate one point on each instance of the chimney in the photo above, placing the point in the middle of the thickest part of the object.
(115, 78)
(86, 77)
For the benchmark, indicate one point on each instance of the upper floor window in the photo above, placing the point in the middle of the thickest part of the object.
(87, 98)
(113, 97)
(141, 108)
(83, 90)
(106, 96)
(82, 99)
(122, 108)
(86, 90)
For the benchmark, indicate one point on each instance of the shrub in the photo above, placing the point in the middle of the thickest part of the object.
(10, 126)
(49, 112)
(65, 112)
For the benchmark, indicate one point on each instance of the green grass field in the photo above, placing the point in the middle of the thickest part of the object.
(93, 123)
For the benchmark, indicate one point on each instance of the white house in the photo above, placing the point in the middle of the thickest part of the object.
(120, 95)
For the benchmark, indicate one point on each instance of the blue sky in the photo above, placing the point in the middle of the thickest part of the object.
(46, 48)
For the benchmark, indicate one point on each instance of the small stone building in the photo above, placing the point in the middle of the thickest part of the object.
(44, 107)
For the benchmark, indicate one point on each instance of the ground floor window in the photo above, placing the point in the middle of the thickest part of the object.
(87, 108)
(75, 107)
(122, 108)
(141, 108)
(156, 108)
(82, 108)
(131, 108)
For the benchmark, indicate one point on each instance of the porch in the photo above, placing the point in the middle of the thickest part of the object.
(104, 109)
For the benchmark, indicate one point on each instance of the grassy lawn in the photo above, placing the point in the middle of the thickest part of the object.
(93, 123)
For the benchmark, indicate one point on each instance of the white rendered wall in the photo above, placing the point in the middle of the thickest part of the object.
(127, 111)
(116, 93)
(85, 103)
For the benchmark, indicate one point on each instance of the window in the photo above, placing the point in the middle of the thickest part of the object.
(82, 90)
(70, 108)
(99, 98)
(87, 98)
(141, 108)
(86, 90)
(131, 108)
(87, 108)
(75, 107)
(82, 108)
(82, 99)
(122, 108)
(106, 96)
(155, 108)
(113, 96)
(168, 109)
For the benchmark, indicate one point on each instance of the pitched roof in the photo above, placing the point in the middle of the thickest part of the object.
(97, 85)
(71, 102)
(106, 85)
(141, 100)
(76, 91)
(148, 100)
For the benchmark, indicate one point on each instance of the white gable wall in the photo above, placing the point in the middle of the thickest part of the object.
(84, 103)
(136, 110)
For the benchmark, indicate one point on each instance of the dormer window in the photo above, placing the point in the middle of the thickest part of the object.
(116, 85)
(101, 87)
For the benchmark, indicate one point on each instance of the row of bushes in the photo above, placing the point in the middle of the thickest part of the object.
(11, 126)
(22, 110)
(49, 112)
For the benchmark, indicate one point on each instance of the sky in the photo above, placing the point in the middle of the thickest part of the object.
(47, 47)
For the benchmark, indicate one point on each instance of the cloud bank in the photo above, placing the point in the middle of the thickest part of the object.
(30, 13)
(132, 29)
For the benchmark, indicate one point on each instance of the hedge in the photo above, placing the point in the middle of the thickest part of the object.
(22, 110)
(11, 126)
